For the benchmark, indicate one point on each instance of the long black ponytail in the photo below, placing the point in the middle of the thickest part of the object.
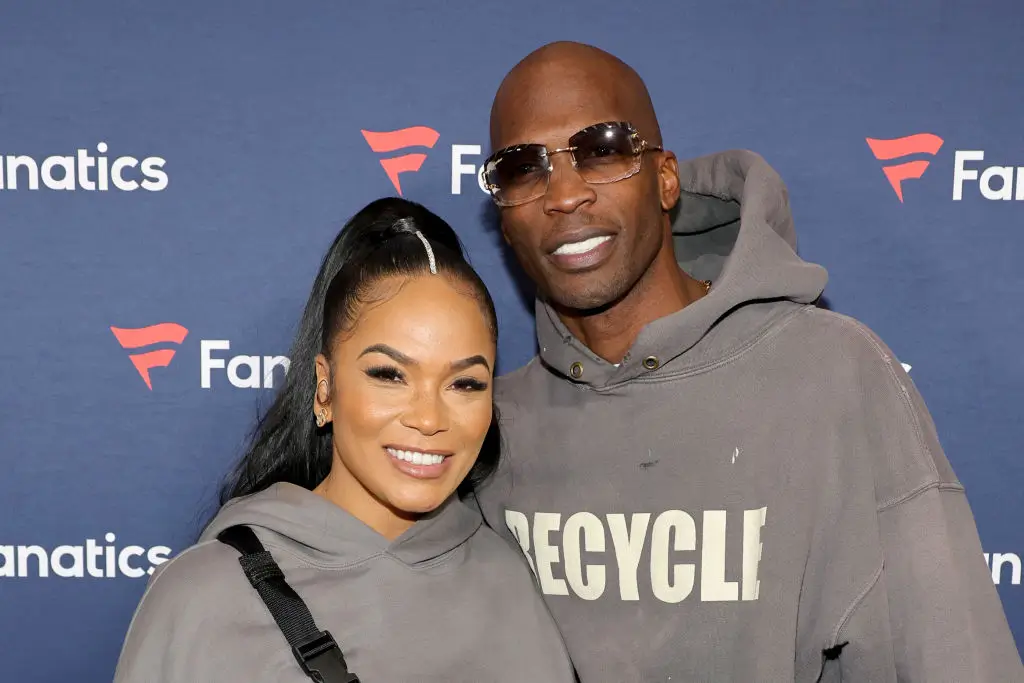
(378, 242)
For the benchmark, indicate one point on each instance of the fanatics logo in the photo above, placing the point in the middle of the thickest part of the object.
(898, 148)
(390, 141)
(136, 338)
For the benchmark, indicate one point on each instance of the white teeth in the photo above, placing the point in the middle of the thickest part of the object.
(583, 247)
(415, 457)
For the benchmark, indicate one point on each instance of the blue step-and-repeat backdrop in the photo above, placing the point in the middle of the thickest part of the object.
(170, 174)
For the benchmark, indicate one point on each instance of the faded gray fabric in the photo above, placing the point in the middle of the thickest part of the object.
(773, 487)
(446, 601)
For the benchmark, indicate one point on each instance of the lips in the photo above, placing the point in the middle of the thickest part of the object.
(416, 457)
(574, 236)
(420, 464)
(581, 249)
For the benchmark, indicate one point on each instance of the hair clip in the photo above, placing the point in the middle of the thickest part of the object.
(430, 252)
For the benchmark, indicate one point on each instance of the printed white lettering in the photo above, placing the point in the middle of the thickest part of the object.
(125, 555)
(70, 172)
(271, 362)
(76, 570)
(519, 525)
(547, 555)
(962, 174)
(460, 169)
(713, 586)
(1010, 185)
(682, 527)
(252, 377)
(116, 171)
(67, 179)
(79, 561)
(753, 520)
(589, 577)
(207, 362)
(999, 560)
(156, 177)
(157, 555)
(628, 547)
(590, 584)
(258, 373)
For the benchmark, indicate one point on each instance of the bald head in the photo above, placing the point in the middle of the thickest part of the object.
(564, 86)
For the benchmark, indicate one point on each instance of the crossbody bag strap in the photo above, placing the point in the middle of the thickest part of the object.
(316, 651)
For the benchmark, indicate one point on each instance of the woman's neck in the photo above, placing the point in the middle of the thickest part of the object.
(346, 492)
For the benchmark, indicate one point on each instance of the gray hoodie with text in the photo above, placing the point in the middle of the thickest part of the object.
(446, 602)
(755, 484)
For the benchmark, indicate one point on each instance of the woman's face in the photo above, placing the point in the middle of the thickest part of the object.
(410, 389)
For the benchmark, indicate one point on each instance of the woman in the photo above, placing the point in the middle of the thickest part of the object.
(352, 486)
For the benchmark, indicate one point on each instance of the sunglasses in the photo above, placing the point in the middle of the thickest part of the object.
(602, 153)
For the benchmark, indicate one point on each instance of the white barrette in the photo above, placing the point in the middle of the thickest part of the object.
(430, 252)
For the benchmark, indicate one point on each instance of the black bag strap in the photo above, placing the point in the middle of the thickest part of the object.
(316, 651)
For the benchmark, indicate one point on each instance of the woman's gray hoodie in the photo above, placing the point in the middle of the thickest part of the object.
(448, 601)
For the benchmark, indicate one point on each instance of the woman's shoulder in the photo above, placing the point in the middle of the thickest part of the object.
(201, 577)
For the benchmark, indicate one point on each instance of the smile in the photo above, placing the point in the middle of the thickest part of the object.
(416, 457)
(581, 247)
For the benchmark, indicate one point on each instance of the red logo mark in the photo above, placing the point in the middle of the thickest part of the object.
(922, 143)
(417, 136)
(146, 336)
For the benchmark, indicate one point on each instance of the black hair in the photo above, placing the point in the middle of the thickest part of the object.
(379, 241)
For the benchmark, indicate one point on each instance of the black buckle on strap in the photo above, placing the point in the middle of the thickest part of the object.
(322, 660)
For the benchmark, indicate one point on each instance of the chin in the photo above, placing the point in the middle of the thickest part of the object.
(419, 502)
(592, 290)
(584, 296)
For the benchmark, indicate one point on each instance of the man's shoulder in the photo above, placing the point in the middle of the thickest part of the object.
(902, 434)
(842, 340)
(519, 374)
(511, 387)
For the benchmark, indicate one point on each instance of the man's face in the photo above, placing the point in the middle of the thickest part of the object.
(584, 245)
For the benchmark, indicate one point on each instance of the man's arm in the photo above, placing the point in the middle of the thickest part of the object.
(946, 623)
(946, 618)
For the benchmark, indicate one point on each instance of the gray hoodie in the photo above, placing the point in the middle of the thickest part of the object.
(756, 483)
(448, 601)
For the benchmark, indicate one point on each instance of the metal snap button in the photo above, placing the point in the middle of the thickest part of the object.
(651, 362)
(576, 370)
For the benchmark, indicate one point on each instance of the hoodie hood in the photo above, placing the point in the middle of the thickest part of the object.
(319, 530)
(733, 227)
(447, 602)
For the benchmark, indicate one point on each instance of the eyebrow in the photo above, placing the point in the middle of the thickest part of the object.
(389, 351)
(469, 362)
(400, 357)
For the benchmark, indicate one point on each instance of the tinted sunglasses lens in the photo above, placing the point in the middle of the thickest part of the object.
(605, 153)
(518, 174)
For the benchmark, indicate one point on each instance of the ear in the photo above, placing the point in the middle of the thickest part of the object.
(668, 180)
(324, 389)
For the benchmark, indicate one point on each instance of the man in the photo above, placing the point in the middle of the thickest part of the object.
(713, 480)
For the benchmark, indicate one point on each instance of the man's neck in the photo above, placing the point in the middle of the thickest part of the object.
(663, 290)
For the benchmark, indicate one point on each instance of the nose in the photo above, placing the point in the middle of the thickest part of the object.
(427, 414)
(567, 190)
